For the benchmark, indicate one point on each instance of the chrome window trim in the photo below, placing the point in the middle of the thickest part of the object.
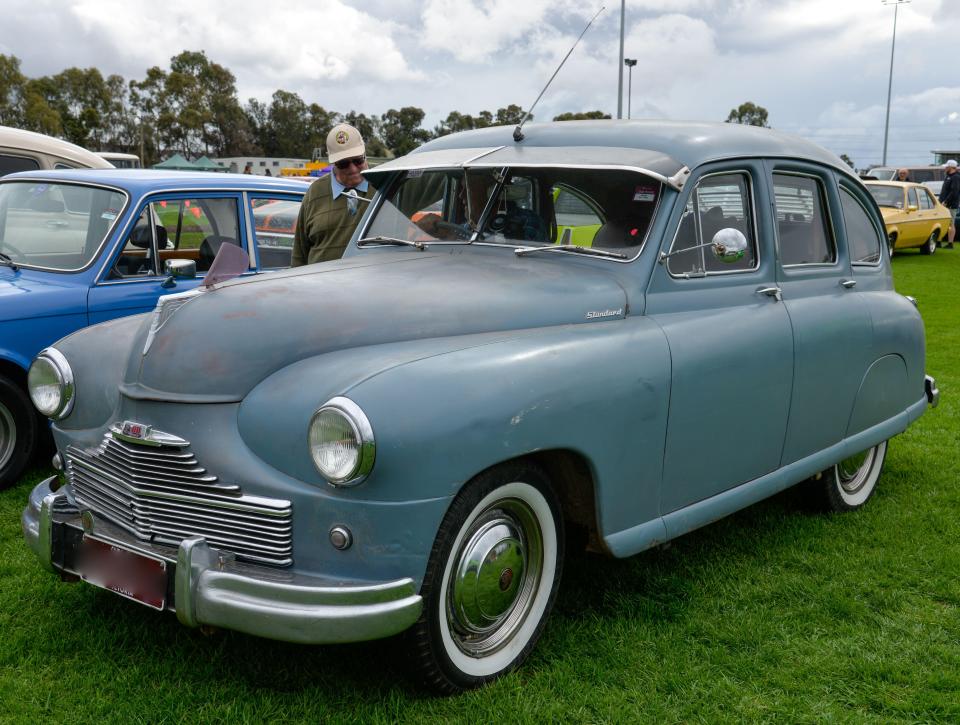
(753, 216)
(106, 236)
(670, 181)
(844, 188)
(826, 207)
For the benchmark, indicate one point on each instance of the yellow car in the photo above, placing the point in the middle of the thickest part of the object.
(912, 215)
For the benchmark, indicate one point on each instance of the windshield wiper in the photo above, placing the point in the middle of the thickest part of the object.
(521, 251)
(8, 260)
(367, 241)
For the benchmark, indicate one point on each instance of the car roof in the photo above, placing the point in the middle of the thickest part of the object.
(691, 143)
(139, 181)
(15, 138)
(901, 184)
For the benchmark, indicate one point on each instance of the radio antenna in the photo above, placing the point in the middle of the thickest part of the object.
(518, 131)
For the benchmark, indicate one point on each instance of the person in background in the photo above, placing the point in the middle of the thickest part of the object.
(267, 173)
(248, 169)
(903, 175)
(328, 216)
(950, 198)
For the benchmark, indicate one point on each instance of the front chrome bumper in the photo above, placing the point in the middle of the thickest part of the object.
(210, 588)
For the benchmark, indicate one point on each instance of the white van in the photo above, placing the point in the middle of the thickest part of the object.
(26, 151)
(121, 161)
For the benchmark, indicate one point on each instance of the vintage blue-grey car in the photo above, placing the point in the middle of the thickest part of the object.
(629, 329)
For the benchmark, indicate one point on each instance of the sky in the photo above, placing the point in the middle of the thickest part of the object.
(820, 67)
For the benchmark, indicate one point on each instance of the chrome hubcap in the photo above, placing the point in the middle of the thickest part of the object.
(8, 435)
(496, 577)
(853, 472)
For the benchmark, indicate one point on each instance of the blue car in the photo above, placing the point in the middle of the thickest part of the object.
(627, 329)
(82, 247)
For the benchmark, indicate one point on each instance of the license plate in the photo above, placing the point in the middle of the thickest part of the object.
(128, 573)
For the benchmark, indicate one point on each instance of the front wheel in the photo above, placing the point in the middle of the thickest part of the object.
(929, 246)
(847, 485)
(491, 580)
(19, 432)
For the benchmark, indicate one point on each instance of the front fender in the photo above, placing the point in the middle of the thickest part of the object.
(445, 409)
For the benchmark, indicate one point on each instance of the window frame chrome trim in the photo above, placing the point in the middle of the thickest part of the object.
(753, 215)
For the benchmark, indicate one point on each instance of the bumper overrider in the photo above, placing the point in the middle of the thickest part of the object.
(208, 587)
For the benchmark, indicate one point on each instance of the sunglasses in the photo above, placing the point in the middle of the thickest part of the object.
(357, 161)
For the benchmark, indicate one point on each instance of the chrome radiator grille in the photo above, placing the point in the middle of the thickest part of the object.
(160, 493)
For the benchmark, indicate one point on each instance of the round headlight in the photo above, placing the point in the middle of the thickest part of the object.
(341, 442)
(50, 382)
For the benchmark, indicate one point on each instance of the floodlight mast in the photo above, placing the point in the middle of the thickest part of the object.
(518, 131)
(886, 125)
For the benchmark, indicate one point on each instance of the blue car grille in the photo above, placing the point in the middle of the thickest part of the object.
(161, 494)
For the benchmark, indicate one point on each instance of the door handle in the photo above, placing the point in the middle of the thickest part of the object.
(848, 283)
(774, 292)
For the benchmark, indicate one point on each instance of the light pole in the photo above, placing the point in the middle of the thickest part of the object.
(886, 125)
(629, 62)
(623, 13)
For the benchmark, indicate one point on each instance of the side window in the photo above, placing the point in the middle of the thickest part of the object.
(718, 202)
(912, 198)
(576, 220)
(196, 228)
(274, 221)
(926, 201)
(802, 229)
(138, 258)
(862, 235)
(12, 164)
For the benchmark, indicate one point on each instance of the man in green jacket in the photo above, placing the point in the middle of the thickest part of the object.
(327, 216)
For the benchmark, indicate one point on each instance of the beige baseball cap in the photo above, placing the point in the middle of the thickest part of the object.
(344, 142)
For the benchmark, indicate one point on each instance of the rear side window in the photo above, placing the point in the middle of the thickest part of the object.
(274, 222)
(12, 164)
(802, 229)
(862, 235)
(926, 201)
(719, 202)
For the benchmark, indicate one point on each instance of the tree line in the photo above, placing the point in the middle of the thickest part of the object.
(193, 109)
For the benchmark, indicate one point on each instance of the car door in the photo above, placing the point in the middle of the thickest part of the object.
(173, 226)
(731, 347)
(831, 324)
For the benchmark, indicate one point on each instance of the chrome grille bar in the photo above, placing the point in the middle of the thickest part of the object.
(161, 493)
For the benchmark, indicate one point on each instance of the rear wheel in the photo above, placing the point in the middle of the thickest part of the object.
(491, 580)
(848, 485)
(19, 431)
(930, 246)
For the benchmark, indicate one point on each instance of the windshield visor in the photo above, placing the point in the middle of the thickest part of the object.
(55, 226)
(600, 208)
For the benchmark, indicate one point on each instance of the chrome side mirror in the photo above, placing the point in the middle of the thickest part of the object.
(729, 245)
(178, 269)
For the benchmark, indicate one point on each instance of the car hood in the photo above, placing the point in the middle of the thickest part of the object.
(26, 294)
(220, 344)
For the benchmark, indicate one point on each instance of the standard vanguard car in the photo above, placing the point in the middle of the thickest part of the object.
(397, 441)
(80, 247)
(912, 215)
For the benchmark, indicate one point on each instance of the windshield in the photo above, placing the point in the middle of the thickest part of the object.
(519, 207)
(887, 195)
(55, 226)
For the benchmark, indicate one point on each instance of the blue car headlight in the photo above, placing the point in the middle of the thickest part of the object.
(341, 442)
(50, 382)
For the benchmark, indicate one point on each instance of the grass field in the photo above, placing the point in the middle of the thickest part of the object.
(773, 614)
